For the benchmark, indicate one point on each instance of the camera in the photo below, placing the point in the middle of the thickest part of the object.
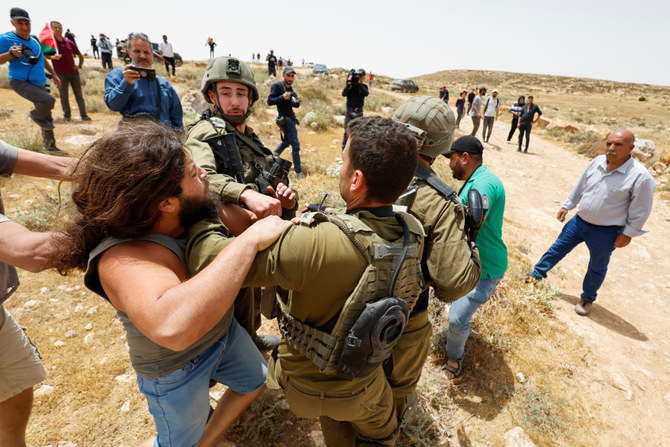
(145, 73)
(28, 53)
(295, 102)
(356, 75)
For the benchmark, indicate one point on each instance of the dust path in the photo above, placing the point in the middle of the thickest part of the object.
(629, 364)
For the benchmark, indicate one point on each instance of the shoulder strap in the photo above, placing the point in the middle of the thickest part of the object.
(433, 180)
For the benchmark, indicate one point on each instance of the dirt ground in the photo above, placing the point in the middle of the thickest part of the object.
(622, 381)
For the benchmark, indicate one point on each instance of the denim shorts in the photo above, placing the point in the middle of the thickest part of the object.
(179, 401)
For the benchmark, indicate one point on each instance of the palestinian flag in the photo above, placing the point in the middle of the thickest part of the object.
(48, 41)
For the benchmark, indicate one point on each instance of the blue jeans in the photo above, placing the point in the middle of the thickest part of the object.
(179, 401)
(461, 312)
(600, 242)
(291, 138)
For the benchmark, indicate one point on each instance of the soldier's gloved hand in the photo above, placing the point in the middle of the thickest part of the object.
(260, 204)
(284, 194)
(265, 231)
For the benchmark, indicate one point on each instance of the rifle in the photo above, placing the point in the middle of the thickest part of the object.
(225, 149)
(278, 173)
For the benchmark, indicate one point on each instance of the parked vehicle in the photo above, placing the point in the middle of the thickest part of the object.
(404, 85)
(320, 68)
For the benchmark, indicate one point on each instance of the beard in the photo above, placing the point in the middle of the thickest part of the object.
(195, 209)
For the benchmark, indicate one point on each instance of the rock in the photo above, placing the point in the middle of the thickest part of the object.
(44, 390)
(79, 141)
(558, 124)
(317, 437)
(520, 377)
(216, 395)
(32, 303)
(516, 437)
(88, 327)
(125, 408)
(4, 113)
(70, 334)
(59, 343)
(659, 168)
(598, 131)
(666, 398)
(621, 382)
(44, 290)
(665, 157)
(125, 378)
(92, 310)
(542, 122)
(86, 130)
(193, 102)
(644, 149)
(339, 120)
(88, 338)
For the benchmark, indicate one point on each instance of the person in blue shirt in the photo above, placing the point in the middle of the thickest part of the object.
(135, 96)
(283, 96)
(26, 73)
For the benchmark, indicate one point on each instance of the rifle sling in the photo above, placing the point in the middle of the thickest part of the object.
(433, 180)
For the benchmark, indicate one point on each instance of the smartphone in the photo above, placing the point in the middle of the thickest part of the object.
(145, 73)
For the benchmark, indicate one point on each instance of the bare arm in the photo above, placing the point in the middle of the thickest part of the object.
(158, 306)
(43, 165)
(25, 249)
(50, 69)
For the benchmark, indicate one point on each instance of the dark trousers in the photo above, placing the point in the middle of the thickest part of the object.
(600, 242)
(96, 53)
(469, 107)
(460, 113)
(347, 118)
(291, 139)
(488, 124)
(272, 71)
(75, 81)
(515, 121)
(169, 61)
(106, 60)
(524, 128)
(475, 124)
(38, 95)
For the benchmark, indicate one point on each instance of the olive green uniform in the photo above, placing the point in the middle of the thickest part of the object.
(253, 155)
(449, 265)
(321, 266)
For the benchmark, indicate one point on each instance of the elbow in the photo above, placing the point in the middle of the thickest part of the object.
(174, 340)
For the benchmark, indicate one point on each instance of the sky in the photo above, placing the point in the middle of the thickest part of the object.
(617, 40)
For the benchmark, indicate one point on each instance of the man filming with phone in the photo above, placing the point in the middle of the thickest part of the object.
(355, 92)
(137, 92)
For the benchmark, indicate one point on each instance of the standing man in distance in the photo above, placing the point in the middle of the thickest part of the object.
(515, 110)
(272, 63)
(94, 47)
(355, 91)
(491, 109)
(68, 72)
(477, 111)
(465, 161)
(284, 97)
(471, 98)
(615, 195)
(26, 74)
(526, 121)
(167, 54)
(135, 97)
(229, 85)
(106, 49)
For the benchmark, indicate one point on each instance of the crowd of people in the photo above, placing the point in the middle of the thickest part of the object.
(166, 211)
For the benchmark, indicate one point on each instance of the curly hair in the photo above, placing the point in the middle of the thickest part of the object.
(125, 175)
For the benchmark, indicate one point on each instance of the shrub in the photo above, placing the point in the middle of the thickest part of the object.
(642, 99)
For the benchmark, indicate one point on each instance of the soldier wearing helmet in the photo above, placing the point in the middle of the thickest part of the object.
(451, 266)
(229, 85)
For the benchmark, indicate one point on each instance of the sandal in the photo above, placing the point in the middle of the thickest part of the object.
(456, 371)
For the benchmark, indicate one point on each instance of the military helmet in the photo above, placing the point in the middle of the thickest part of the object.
(432, 120)
(228, 69)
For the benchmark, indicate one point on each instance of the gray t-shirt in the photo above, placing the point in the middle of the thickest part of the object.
(476, 106)
(9, 280)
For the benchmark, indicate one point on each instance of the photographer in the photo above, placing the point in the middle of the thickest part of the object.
(283, 96)
(26, 73)
(355, 91)
(138, 93)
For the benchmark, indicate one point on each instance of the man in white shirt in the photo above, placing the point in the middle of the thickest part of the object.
(615, 196)
(477, 110)
(491, 108)
(167, 54)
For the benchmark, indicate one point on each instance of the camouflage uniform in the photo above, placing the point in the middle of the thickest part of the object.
(321, 267)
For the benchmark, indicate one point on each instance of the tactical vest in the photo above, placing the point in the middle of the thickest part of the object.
(325, 348)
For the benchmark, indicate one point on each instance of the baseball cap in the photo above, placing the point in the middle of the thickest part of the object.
(495, 90)
(288, 69)
(18, 13)
(466, 143)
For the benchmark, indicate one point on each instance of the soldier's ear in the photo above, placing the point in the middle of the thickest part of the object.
(357, 181)
(169, 205)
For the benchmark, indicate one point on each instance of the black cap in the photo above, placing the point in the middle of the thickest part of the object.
(288, 69)
(18, 13)
(466, 143)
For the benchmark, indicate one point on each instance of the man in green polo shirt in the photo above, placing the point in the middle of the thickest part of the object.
(465, 161)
